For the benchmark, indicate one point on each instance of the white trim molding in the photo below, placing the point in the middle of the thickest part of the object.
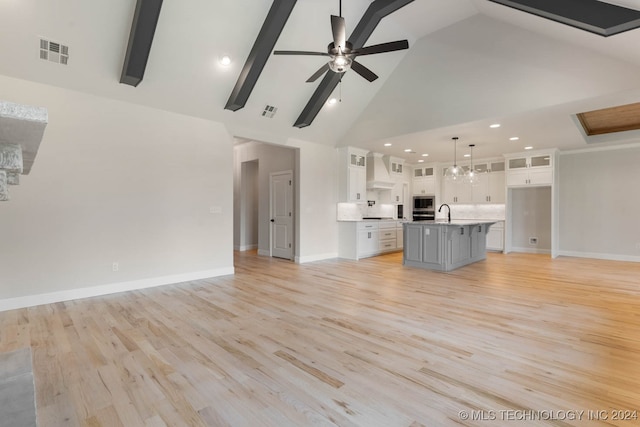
(312, 258)
(112, 288)
(243, 248)
(531, 250)
(609, 257)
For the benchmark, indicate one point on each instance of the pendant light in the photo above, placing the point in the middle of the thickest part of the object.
(455, 172)
(471, 176)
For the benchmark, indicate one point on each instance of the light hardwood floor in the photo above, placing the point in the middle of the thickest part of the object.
(344, 343)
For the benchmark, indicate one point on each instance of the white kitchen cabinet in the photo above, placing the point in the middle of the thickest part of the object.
(490, 188)
(399, 235)
(534, 169)
(456, 191)
(395, 165)
(387, 236)
(352, 174)
(362, 239)
(397, 193)
(357, 184)
(424, 181)
(368, 243)
(495, 237)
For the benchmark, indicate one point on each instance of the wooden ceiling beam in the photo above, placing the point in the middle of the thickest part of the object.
(143, 28)
(260, 53)
(369, 21)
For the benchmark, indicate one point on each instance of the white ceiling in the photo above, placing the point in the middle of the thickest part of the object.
(471, 63)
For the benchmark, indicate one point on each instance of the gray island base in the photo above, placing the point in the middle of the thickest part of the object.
(444, 246)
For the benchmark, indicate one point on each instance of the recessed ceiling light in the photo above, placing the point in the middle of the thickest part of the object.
(225, 60)
(408, 150)
(495, 125)
(514, 138)
(528, 148)
(388, 144)
(420, 161)
(425, 155)
(467, 155)
(332, 101)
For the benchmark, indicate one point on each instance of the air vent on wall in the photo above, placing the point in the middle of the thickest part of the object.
(269, 111)
(54, 52)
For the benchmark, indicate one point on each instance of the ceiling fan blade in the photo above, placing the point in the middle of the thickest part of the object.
(318, 73)
(363, 71)
(381, 48)
(339, 31)
(299, 52)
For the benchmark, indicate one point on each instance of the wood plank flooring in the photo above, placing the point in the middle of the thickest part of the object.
(515, 340)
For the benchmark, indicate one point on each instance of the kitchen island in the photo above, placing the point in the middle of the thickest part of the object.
(443, 245)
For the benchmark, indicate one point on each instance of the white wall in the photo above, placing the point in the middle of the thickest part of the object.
(531, 217)
(114, 182)
(600, 204)
(251, 208)
(317, 197)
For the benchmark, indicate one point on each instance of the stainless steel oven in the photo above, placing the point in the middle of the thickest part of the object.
(424, 208)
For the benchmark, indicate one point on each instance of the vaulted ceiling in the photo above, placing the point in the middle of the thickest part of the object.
(470, 63)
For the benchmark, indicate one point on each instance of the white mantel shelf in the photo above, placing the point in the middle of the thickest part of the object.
(23, 125)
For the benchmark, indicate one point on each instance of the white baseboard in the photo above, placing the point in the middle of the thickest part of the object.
(610, 257)
(112, 288)
(264, 252)
(312, 258)
(531, 250)
(243, 248)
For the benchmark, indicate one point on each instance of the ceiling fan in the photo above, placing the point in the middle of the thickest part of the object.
(343, 54)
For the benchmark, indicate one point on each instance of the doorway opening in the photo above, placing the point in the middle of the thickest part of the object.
(261, 171)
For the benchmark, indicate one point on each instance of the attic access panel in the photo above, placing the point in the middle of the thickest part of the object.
(610, 120)
(597, 17)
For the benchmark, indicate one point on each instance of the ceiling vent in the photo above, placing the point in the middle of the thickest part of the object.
(269, 111)
(54, 52)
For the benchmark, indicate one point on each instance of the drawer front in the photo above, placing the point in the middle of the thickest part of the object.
(387, 224)
(387, 234)
(367, 226)
(387, 244)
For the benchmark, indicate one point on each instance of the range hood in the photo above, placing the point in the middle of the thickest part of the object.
(377, 173)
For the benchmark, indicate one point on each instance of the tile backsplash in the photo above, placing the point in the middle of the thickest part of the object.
(482, 211)
(356, 211)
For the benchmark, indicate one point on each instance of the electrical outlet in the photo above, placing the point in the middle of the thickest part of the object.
(115, 266)
(533, 241)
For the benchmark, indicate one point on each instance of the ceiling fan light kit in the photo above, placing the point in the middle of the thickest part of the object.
(342, 55)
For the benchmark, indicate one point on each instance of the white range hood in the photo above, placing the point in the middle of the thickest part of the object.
(378, 177)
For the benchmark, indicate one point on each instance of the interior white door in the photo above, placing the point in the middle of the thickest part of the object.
(281, 194)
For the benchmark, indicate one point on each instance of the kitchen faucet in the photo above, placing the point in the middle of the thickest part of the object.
(449, 211)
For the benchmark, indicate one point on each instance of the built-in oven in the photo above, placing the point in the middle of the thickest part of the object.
(424, 208)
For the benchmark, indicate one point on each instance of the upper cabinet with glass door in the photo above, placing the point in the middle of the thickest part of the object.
(424, 181)
(526, 169)
(395, 165)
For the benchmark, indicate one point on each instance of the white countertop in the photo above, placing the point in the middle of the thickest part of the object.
(456, 222)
